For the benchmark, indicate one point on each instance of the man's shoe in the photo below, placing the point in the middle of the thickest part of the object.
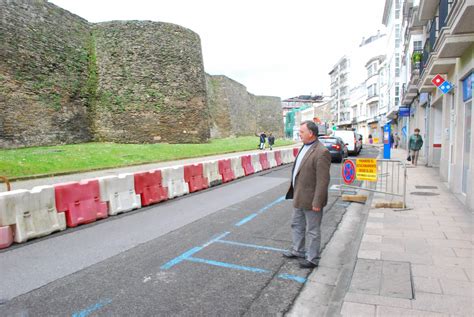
(305, 264)
(290, 255)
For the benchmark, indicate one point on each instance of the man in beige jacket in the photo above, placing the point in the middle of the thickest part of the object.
(309, 191)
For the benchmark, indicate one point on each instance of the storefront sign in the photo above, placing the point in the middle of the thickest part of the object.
(404, 112)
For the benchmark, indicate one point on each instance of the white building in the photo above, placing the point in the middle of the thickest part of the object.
(348, 73)
(392, 19)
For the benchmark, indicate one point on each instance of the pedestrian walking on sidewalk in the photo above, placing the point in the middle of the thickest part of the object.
(271, 141)
(415, 144)
(263, 138)
(309, 191)
(392, 141)
(396, 139)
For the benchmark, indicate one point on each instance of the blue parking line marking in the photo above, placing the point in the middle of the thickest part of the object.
(296, 278)
(262, 210)
(228, 265)
(215, 239)
(180, 258)
(190, 252)
(282, 198)
(91, 309)
(251, 245)
(245, 220)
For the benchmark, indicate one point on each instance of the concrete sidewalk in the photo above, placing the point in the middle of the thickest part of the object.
(415, 262)
(29, 184)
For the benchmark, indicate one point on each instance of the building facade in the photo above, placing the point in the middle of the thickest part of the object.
(439, 40)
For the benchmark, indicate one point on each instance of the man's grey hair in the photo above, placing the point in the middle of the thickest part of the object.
(311, 127)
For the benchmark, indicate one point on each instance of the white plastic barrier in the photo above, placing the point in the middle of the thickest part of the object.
(287, 156)
(173, 178)
(236, 164)
(271, 159)
(34, 212)
(211, 171)
(119, 193)
(256, 162)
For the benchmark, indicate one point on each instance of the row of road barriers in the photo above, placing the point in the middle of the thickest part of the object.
(43, 210)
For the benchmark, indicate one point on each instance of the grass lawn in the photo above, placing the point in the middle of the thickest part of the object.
(28, 162)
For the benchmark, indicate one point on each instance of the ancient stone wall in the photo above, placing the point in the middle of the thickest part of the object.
(43, 75)
(236, 112)
(151, 84)
(64, 80)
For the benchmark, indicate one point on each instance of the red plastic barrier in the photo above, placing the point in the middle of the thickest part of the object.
(149, 185)
(6, 237)
(278, 158)
(80, 201)
(295, 151)
(225, 169)
(194, 176)
(264, 161)
(247, 165)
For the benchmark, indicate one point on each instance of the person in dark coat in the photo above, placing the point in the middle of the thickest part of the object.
(271, 141)
(263, 138)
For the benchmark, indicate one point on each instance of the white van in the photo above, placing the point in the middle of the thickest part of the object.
(349, 138)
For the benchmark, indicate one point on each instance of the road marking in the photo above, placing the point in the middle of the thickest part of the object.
(296, 278)
(251, 245)
(90, 309)
(180, 258)
(215, 239)
(228, 265)
(262, 210)
(190, 252)
(279, 200)
(245, 220)
(291, 277)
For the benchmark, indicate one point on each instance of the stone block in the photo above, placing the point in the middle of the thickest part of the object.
(357, 309)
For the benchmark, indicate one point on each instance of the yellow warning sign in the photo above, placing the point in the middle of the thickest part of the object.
(366, 170)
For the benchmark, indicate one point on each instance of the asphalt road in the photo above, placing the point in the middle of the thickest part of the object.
(213, 253)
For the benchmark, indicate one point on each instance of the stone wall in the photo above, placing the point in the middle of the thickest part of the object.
(269, 115)
(43, 75)
(64, 80)
(151, 83)
(236, 112)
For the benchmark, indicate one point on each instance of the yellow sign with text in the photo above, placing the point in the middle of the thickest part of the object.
(366, 170)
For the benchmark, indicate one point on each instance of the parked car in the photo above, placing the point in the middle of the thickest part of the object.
(350, 139)
(336, 147)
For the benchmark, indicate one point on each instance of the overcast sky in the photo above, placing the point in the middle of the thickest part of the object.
(280, 48)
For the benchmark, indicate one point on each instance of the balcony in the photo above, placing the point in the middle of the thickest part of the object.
(372, 98)
(461, 17)
(428, 9)
(444, 45)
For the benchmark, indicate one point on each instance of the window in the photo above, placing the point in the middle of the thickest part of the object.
(372, 90)
(397, 72)
(417, 45)
(397, 90)
(397, 9)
